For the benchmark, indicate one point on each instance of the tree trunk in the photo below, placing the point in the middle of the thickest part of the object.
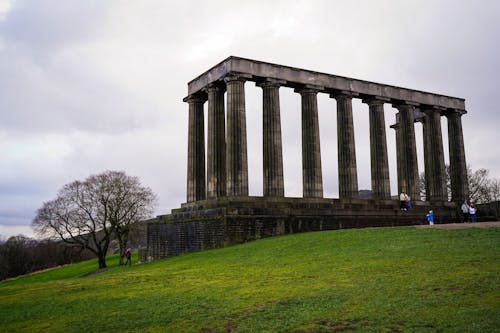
(102, 260)
(122, 243)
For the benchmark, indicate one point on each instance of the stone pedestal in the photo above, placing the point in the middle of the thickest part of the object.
(458, 167)
(236, 159)
(381, 188)
(216, 155)
(196, 150)
(272, 147)
(312, 179)
(348, 174)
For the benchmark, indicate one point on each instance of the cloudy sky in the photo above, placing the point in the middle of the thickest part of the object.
(88, 86)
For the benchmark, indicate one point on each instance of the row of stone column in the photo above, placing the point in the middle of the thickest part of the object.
(227, 165)
(434, 165)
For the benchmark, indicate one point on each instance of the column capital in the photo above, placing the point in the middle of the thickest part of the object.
(199, 97)
(449, 113)
(215, 86)
(406, 105)
(232, 77)
(431, 109)
(375, 100)
(343, 94)
(269, 82)
(308, 89)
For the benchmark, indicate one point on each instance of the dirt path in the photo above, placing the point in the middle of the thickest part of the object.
(462, 225)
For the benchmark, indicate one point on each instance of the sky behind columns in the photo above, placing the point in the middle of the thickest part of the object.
(88, 86)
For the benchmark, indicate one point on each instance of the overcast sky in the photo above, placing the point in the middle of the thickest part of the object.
(89, 86)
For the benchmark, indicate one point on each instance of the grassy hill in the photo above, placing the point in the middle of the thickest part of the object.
(380, 280)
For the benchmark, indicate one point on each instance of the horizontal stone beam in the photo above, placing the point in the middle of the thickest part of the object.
(328, 83)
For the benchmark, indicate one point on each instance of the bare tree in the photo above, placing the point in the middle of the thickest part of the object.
(481, 188)
(423, 186)
(495, 190)
(129, 204)
(478, 185)
(89, 213)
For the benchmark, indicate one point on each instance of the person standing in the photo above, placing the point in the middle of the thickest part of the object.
(430, 217)
(128, 255)
(402, 200)
(465, 211)
(408, 201)
(472, 213)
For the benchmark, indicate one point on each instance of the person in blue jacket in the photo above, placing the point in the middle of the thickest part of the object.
(430, 217)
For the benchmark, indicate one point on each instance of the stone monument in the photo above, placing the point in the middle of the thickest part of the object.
(218, 210)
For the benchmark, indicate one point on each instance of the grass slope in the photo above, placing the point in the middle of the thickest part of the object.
(380, 280)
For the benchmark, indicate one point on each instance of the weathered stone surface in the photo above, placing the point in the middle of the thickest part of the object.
(458, 167)
(427, 165)
(196, 150)
(348, 173)
(236, 159)
(399, 153)
(272, 147)
(230, 216)
(172, 239)
(381, 188)
(216, 155)
(312, 178)
(434, 157)
(296, 77)
(408, 152)
(209, 223)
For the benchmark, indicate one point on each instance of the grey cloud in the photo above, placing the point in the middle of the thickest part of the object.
(40, 25)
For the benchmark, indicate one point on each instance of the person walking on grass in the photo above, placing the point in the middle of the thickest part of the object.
(430, 217)
(465, 211)
(472, 213)
(128, 255)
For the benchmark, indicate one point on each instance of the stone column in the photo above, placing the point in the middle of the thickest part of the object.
(409, 166)
(458, 167)
(434, 156)
(272, 146)
(216, 155)
(399, 153)
(348, 174)
(381, 188)
(236, 159)
(427, 166)
(196, 150)
(312, 179)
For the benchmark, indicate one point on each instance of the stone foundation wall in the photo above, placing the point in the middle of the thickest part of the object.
(489, 211)
(172, 239)
(194, 228)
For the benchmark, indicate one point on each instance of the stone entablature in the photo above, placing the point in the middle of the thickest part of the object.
(293, 77)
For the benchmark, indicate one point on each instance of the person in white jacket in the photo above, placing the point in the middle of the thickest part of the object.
(472, 213)
(465, 211)
(402, 200)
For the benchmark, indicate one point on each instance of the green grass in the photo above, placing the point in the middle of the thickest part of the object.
(366, 280)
